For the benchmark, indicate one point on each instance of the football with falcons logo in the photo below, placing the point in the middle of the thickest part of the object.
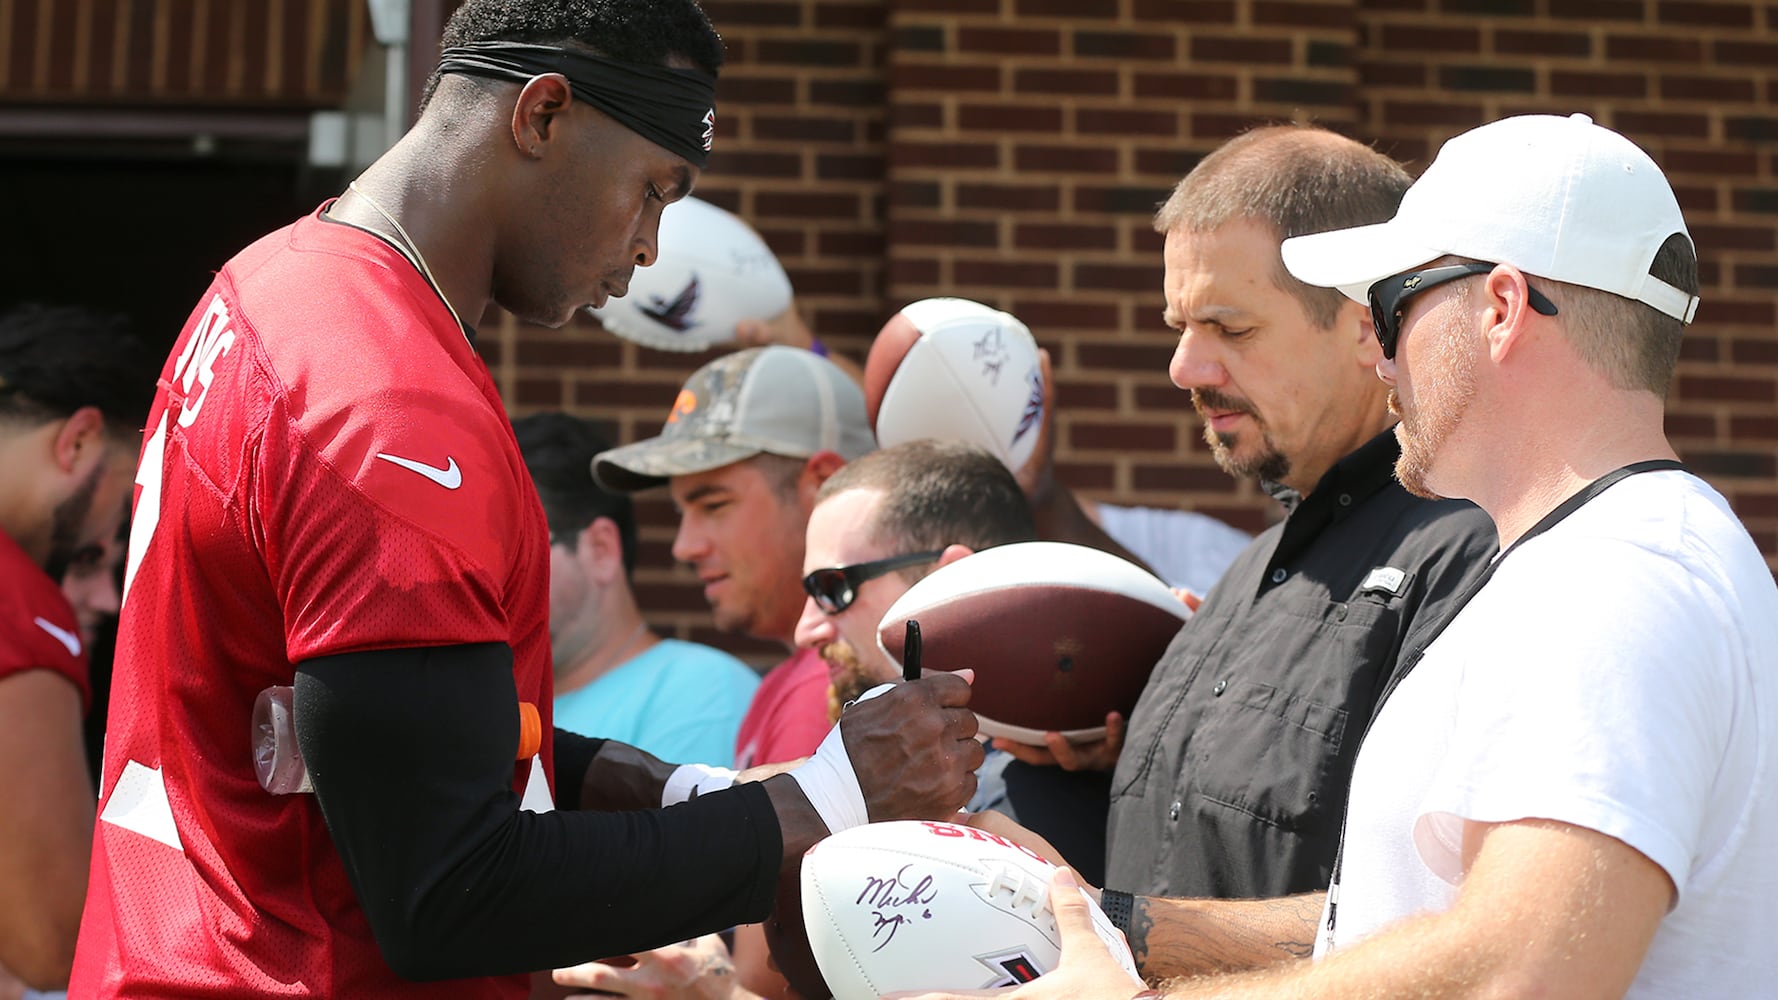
(713, 271)
(931, 906)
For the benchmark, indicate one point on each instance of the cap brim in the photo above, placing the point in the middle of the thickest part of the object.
(1352, 260)
(647, 464)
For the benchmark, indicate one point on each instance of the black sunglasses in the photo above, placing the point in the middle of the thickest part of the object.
(835, 588)
(1389, 297)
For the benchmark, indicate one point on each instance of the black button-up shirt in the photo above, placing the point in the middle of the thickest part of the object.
(1233, 777)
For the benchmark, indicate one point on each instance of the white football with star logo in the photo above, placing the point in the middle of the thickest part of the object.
(931, 906)
(713, 271)
(956, 370)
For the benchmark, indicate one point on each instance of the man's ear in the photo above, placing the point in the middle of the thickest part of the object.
(79, 443)
(1355, 322)
(818, 469)
(1508, 310)
(534, 113)
(952, 553)
(601, 549)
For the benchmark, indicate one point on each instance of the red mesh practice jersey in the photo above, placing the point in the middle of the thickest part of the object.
(38, 630)
(329, 470)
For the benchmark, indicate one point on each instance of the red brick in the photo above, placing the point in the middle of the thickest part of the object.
(1004, 273)
(943, 233)
(1058, 236)
(1694, 426)
(1697, 348)
(1187, 86)
(849, 167)
(1699, 13)
(1454, 116)
(1050, 80)
(849, 15)
(1651, 123)
(911, 114)
(1279, 14)
(1706, 88)
(1737, 312)
(810, 281)
(1567, 83)
(857, 93)
(1123, 436)
(1598, 10)
(1236, 49)
(1311, 93)
(1065, 159)
(755, 90)
(994, 118)
(806, 205)
(1163, 398)
(1743, 350)
(831, 243)
(730, 162)
(1714, 238)
(623, 390)
(947, 78)
(1073, 314)
(1122, 200)
(1542, 43)
(1174, 163)
(1210, 125)
(808, 52)
(1122, 44)
(1377, 74)
(570, 352)
(1653, 48)
(1746, 53)
(809, 128)
(549, 393)
(1118, 277)
(1010, 41)
(1186, 11)
(1071, 9)
(949, 155)
(1009, 197)
(1124, 357)
(1426, 38)
(1181, 479)
(1075, 396)
(918, 271)
(1125, 122)
(1725, 388)
(1086, 475)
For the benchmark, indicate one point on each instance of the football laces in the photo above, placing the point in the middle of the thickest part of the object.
(1025, 894)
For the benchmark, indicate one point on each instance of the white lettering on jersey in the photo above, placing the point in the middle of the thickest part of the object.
(139, 802)
(209, 343)
(68, 639)
(537, 795)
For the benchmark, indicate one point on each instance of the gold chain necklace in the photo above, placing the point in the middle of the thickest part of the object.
(409, 249)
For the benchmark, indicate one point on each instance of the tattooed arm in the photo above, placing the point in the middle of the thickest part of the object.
(1191, 937)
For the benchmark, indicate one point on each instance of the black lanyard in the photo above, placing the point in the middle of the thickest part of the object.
(1410, 658)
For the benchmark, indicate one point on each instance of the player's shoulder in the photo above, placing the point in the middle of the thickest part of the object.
(38, 626)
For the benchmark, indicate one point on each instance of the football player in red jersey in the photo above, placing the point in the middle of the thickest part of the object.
(74, 386)
(331, 498)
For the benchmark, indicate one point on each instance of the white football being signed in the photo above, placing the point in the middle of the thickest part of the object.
(713, 271)
(931, 906)
(956, 370)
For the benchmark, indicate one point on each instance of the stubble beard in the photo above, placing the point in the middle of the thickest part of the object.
(1442, 397)
(1269, 464)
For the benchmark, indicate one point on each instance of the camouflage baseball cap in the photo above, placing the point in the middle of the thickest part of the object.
(777, 400)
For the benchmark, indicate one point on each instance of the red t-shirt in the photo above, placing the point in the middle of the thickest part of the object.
(329, 470)
(788, 716)
(38, 629)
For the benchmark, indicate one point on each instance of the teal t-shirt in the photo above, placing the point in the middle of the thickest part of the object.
(680, 701)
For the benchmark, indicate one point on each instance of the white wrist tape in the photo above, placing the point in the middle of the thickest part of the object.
(829, 781)
(688, 780)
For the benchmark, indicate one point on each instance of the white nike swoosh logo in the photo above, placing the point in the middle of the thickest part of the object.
(450, 477)
(62, 635)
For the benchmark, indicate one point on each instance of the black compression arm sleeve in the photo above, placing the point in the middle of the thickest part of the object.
(411, 753)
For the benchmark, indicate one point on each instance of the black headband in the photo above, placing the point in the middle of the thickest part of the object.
(673, 108)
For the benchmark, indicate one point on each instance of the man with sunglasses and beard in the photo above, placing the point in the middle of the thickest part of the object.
(74, 389)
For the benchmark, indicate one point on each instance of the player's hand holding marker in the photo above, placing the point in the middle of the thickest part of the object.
(902, 751)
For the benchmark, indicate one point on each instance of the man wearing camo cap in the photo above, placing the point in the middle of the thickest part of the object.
(749, 441)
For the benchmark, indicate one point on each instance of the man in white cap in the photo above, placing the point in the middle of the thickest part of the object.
(1575, 791)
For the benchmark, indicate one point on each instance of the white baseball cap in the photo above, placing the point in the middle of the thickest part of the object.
(1561, 198)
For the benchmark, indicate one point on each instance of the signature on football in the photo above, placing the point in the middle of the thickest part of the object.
(894, 900)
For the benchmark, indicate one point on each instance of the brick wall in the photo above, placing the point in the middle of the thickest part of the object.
(160, 52)
(1013, 151)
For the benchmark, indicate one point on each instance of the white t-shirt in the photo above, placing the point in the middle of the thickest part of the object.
(1619, 673)
(1185, 549)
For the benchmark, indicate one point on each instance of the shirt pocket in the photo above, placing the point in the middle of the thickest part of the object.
(1276, 744)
